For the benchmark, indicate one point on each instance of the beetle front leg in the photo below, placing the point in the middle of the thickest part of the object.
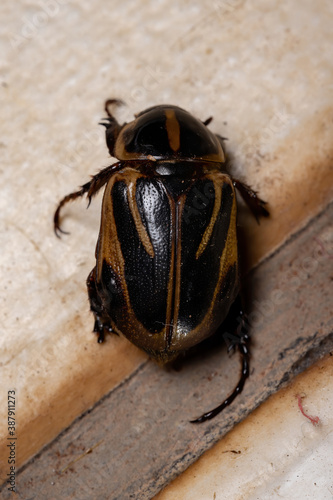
(251, 198)
(112, 126)
(90, 189)
(102, 323)
(239, 339)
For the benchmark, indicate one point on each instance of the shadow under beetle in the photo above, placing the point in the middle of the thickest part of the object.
(166, 269)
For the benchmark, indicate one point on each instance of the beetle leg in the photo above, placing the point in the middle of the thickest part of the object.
(221, 139)
(90, 189)
(208, 121)
(255, 204)
(112, 126)
(109, 102)
(102, 323)
(242, 340)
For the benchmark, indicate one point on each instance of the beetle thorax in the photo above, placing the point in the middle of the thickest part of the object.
(167, 133)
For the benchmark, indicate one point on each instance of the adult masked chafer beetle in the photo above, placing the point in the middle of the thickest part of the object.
(166, 269)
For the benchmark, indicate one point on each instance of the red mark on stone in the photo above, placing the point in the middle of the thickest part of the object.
(314, 420)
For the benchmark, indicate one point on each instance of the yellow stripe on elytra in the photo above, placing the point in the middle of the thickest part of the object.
(173, 129)
(209, 229)
(228, 258)
(109, 249)
(141, 230)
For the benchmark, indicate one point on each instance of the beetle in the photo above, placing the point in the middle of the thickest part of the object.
(167, 270)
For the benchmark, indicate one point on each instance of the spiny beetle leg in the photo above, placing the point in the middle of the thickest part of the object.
(111, 102)
(239, 339)
(90, 189)
(102, 324)
(112, 126)
(255, 204)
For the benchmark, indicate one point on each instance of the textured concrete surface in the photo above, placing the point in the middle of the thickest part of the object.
(274, 453)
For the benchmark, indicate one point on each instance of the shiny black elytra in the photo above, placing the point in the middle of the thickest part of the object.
(166, 269)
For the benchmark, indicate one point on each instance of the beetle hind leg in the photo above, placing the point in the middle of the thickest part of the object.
(102, 324)
(241, 340)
